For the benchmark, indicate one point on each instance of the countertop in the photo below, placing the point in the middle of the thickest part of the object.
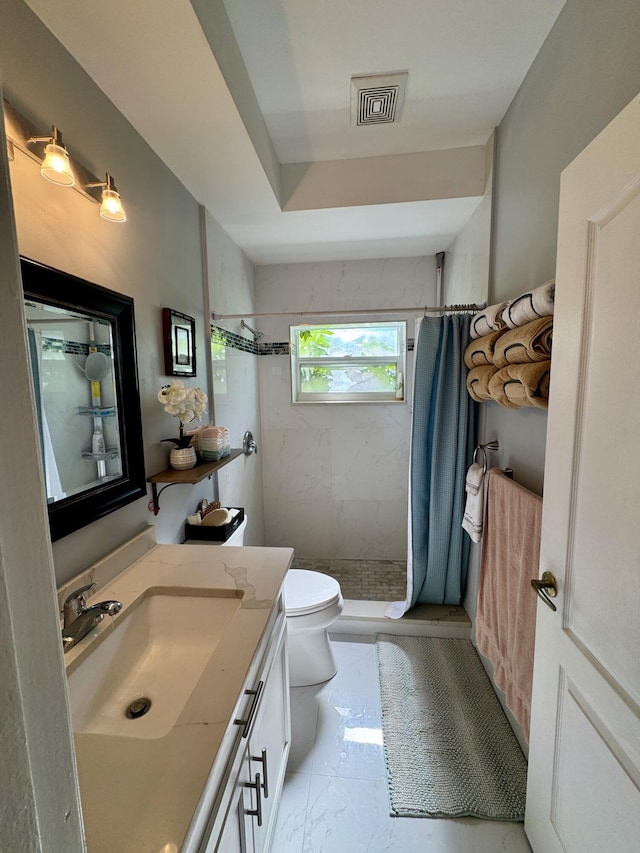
(140, 795)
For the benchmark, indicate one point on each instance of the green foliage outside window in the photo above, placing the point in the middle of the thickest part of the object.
(353, 361)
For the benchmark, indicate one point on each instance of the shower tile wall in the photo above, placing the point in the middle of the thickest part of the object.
(232, 289)
(335, 476)
(64, 389)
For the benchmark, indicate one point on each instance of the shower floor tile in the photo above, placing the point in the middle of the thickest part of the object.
(335, 794)
(363, 580)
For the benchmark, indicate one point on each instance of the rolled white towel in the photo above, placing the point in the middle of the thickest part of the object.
(531, 305)
(488, 320)
(475, 476)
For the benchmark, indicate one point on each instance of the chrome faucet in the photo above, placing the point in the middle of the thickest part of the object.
(79, 619)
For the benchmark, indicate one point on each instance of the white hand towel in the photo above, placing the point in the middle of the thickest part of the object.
(474, 507)
(488, 320)
(473, 515)
(531, 305)
(475, 476)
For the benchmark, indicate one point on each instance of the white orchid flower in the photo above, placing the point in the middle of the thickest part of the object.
(182, 402)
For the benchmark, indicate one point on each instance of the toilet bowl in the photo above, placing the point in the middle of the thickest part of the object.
(313, 601)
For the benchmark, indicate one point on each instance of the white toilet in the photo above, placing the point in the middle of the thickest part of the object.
(237, 537)
(313, 601)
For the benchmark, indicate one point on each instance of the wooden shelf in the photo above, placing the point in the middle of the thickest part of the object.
(193, 475)
(171, 477)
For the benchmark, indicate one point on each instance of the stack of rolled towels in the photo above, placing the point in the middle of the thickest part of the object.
(213, 442)
(509, 357)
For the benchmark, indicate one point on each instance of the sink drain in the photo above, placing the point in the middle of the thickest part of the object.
(138, 708)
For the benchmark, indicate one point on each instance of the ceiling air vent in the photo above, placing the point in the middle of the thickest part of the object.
(377, 98)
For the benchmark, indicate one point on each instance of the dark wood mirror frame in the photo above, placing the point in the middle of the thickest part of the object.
(63, 290)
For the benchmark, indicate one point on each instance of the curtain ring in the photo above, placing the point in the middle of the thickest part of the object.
(484, 457)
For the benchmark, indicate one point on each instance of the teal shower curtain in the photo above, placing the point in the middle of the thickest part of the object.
(442, 443)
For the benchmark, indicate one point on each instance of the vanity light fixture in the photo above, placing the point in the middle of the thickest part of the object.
(58, 166)
(55, 166)
(111, 207)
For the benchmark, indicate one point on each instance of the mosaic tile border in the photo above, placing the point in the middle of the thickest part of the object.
(231, 339)
(235, 341)
(274, 348)
(71, 347)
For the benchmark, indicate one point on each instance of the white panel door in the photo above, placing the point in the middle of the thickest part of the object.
(584, 767)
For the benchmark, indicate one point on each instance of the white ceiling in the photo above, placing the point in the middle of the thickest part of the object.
(465, 58)
(273, 88)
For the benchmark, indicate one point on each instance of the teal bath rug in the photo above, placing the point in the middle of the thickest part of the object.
(449, 748)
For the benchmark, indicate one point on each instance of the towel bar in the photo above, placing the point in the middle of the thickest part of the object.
(482, 448)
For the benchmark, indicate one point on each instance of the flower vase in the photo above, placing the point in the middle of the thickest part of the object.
(182, 458)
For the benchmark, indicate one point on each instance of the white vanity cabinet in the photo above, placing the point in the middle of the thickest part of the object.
(257, 767)
(203, 629)
(269, 743)
(237, 831)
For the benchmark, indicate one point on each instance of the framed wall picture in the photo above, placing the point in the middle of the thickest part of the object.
(179, 337)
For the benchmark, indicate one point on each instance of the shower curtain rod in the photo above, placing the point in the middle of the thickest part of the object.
(413, 310)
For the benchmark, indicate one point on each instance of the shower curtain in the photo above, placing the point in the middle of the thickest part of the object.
(442, 442)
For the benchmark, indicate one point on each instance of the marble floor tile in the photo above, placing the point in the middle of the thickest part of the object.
(289, 832)
(349, 742)
(305, 703)
(356, 682)
(335, 797)
(352, 816)
(485, 836)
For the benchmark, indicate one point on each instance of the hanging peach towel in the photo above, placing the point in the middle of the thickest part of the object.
(506, 617)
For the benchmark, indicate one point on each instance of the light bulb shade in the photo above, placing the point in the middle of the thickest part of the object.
(56, 167)
(111, 207)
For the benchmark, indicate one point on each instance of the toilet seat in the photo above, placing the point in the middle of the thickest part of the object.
(308, 592)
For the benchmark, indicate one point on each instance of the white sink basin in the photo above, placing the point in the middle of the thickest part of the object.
(157, 649)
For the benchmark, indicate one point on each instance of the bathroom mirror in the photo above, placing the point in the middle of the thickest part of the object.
(83, 361)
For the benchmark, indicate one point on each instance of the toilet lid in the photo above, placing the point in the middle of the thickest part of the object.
(306, 591)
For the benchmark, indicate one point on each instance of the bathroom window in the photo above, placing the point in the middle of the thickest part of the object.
(348, 363)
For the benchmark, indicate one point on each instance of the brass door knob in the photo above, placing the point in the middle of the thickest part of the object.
(546, 588)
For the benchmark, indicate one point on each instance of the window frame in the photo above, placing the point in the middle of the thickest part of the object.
(300, 398)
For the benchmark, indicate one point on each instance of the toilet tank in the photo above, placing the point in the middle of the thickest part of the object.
(236, 538)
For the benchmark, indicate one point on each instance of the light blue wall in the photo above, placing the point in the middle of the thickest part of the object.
(587, 70)
(155, 256)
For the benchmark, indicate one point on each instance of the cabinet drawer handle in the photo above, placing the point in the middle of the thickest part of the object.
(258, 809)
(257, 693)
(265, 773)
